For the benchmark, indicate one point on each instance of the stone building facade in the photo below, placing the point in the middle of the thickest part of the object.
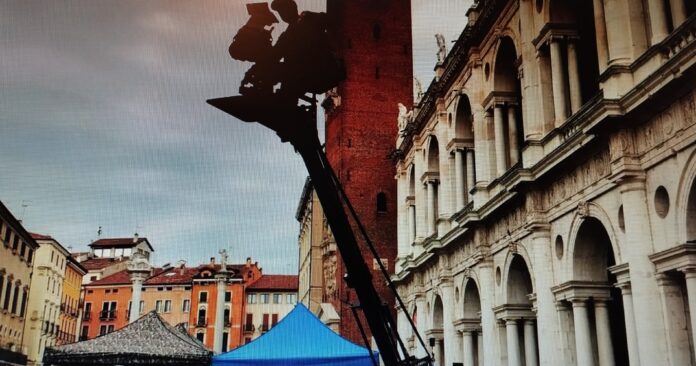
(547, 188)
(16, 259)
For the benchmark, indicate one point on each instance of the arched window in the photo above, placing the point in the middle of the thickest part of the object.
(381, 202)
(377, 32)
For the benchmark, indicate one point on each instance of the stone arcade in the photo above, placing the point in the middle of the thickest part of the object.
(547, 188)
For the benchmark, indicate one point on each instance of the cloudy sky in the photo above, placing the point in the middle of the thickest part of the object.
(103, 122)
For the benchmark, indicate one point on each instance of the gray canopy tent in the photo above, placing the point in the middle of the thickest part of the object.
(147, 341)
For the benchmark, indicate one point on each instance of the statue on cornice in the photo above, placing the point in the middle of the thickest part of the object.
(441, 47)
(418, 90)
(405, 117)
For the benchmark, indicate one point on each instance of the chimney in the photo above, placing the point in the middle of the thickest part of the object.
(248, 261)
(135, 238)
(182, 266)
(212, 260)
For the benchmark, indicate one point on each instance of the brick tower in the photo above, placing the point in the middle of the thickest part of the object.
(373, 37)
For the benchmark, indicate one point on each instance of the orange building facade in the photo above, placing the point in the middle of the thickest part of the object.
(105, 306)
(204, 299)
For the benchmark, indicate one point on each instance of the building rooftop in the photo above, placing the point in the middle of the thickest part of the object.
(275, 282)
(173, 276)
(36, 236)
(95, 264)
(119, 243)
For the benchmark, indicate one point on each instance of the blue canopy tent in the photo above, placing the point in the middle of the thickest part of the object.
(299, 339)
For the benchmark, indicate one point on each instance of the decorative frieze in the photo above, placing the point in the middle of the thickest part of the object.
(585, 175)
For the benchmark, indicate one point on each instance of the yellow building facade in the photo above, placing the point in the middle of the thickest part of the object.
(17, 252)
(70, 309)
(42, 325)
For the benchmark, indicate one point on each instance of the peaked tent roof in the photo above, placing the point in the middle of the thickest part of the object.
(299, 339)
(147, 341)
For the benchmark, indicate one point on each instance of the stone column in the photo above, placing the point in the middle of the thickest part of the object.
(420, 325)
(468, 348)
(459, 179)
(605, 348)
(558, 82)
(583, 339)
(513, 343)
(437, 353)
(676, 334)
(530, 344)
(470, 171)
(500, 153)
(600, 34)
(452, 352)
(573, 77)
(221, 281)
(512, 136)
(135, 297)
(411, 224)
(678, 11)
(643, 282)
(658, 21)
(690, 275)
(479, 348)
(431, 186)
(629, 320)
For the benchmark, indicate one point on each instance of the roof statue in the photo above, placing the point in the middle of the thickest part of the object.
(418, 92)
(441, 47)
(405, 117)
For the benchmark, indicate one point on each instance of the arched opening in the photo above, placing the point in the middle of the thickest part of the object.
(507, 116)
(520, 320)
(472, 336)
(431, 184)
(436, 338)
(464, 152)
(691, 214)
(592, 257)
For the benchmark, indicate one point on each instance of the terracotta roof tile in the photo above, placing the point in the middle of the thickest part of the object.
(118, 278)
(36, 236)
(100, 263)
(118, 242)
(173, 276)
(275, 282)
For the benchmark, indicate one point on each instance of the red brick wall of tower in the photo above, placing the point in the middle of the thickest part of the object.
(374, 39)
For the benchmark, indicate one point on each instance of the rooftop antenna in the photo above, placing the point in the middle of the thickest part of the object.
(25, 204)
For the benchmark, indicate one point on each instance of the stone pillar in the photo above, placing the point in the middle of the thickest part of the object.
(678, 11)
(500, 154)
(605, 348)
(583, 339)
(221, 281)
(600, 34)
(530, 344)
(468, 348)
(491, 349)
(452, 352)
(431, 186)
(437, 353)
(690, 276)
(658, 21)
(513, 343)
(411, 224)
(558, 83)
(470, 171)
(629, 320)
(136, 295)
(644, 289)
(573, 77)
(479, 349)
(459, 179)
(677, 335)
(420, 325)
(512, 136)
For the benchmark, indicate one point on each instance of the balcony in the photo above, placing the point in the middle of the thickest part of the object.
(107, 314)
(265, 328)
(249, 327)
(202, 321)
(87, 315)
(228, 323)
